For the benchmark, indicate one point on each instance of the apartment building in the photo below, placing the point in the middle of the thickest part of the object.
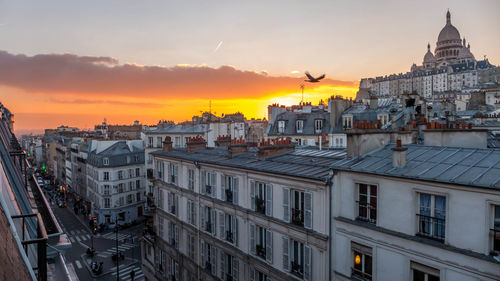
(116, 180)
(238, 213)
(417, 212)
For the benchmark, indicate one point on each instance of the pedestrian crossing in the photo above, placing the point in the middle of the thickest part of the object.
(121, 236)
(125, 273)
(79, 235)
(112, 251)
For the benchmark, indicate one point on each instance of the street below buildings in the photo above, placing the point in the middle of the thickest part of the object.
(104, 243)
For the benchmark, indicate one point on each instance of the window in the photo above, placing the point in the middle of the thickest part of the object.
(191, 212)
(432, 216)
(161, 262)
(228, 227)
(281, 126)
(190, 239)
(191, 179)
(150, 141)
(130, 185)
(207, 219)
(136, 158)
(173, 173)
(297, 207)
(347, 122)
(130, 173)
(121, 188)
(297, 258)
(300, 126)
(208, 257)
(137, 172)
(383, 118)
(105, 161)
(130, 198)
(138, 184)
(256, 275)
(173, 235)
(106, 176)
(229, 189)
(208, 186)
(173, 203)
(107, 203)
(229, 267)
(261, 196)
(422, 272)
(106, 189)
(261, 242)
(159, 142)
(159, 169)
(495, 231)
(120, 175)
(318, 126)
(138, 196)
(174, 270)
(367, 203)
(361, 262)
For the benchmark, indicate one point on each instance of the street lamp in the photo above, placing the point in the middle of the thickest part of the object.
(117, 255)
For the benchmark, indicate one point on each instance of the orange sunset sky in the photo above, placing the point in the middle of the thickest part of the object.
(76, 63)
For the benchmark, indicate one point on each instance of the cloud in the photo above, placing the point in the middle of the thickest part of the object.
(98, 76)
(218, 46)
(111, 102)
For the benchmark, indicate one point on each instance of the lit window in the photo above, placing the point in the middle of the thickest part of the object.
(361, 261)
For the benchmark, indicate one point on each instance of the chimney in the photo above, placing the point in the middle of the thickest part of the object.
(399, 155)
(196, 143)
(223, 141)
(167, 144)
(274, 147)
(373, 102)
(237, 146)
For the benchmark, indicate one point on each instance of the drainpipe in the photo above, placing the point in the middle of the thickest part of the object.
(197, 165)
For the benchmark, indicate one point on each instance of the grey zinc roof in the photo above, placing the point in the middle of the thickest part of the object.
(304, 163)
(290, 125)
(181, 129)
(463, 166)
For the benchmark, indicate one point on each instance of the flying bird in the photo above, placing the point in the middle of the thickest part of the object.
(311, 79)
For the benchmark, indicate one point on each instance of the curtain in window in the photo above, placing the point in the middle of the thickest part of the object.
(425, 212)
(440, 214)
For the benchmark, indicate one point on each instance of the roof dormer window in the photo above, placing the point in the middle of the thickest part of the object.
(281, 126)
(318, 125)
(105, 161)
(300, 126)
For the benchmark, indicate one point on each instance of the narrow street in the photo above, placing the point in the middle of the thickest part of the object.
(105, 244)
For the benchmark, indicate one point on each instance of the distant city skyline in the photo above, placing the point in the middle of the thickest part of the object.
(76, 64)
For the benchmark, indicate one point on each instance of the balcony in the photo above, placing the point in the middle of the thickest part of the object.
(261, 251)
(260, 205)
(208, 227)
(229, 237)
(298, 217)
(208, 189)
(229, 277)
(431, 227)
(297, 269)
(208, 266)
(229, 196)
(172, 209)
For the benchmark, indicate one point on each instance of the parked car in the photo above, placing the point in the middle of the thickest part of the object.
(40, 182)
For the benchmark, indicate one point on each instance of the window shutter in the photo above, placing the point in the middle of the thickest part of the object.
(222, 226)
(169, 232)
(214, 225)
(222, 188)
(286, 204)
(176, 271)
(188, 212)
(168, 173)
(269, 199)
(176, 236)
(252, 274)
(176, 174)
(252, 195)
(252, 238)
(235, 190)
(203, 182)
(193, 215)
(234, 225)
(222, 266)
(203, 218)
(170, 200)
(213, 260)
(236, 269)
(214, 185)
(269, 246)
(202, 252)
(308, 210)
(286, 254)
(307, 263)
(176, 197)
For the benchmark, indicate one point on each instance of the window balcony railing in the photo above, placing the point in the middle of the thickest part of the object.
(260, 205)
(298, 217)
(297, 269)
(229, 277)
(261, 251)
(172, 209)
(208, 189)
(431, 227)
(208, 227)
(360, 275)
(208, 266)
(367, 212)
(229, 195)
